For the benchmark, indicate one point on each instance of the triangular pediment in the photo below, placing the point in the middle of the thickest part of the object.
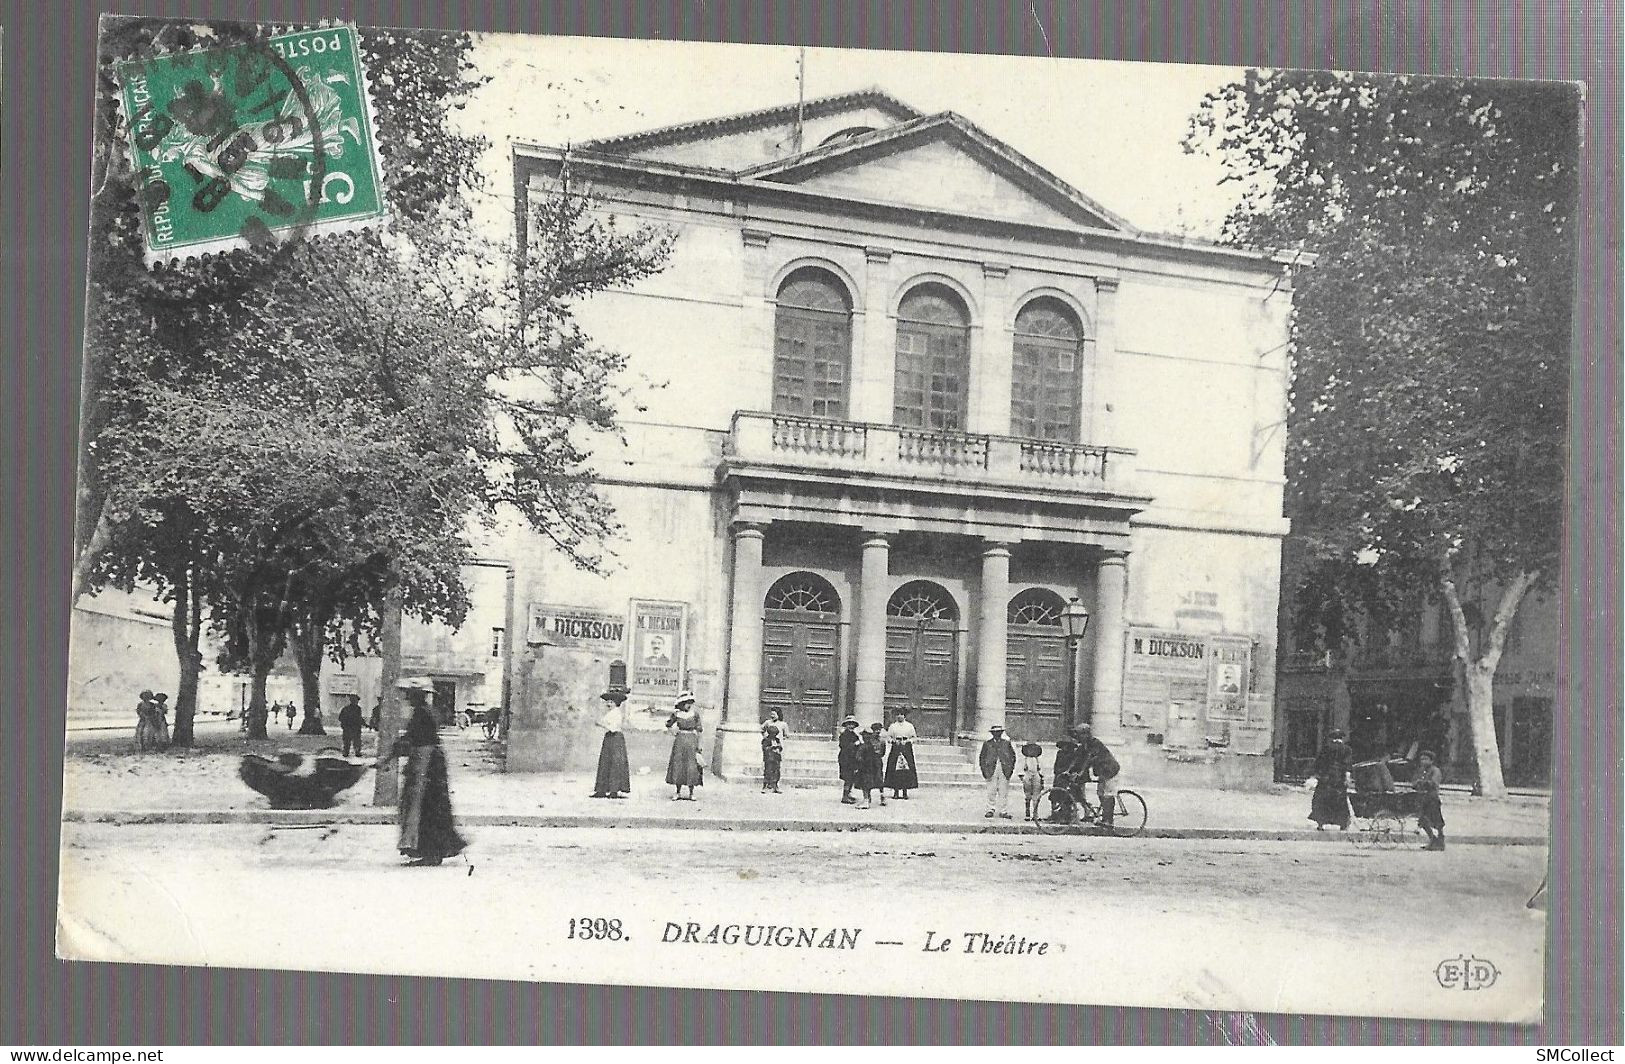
(941, 162)
(756, 138)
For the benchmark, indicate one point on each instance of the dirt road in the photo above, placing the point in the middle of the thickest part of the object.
(1266, 927)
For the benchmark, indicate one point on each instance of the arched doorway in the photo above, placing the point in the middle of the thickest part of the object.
(922, 657)
(801, 652)
(1035, 663)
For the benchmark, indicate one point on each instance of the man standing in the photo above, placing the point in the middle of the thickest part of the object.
(998, 761)
(350, 725)
(1094, 759)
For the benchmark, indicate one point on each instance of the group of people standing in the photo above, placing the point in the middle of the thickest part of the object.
(1079, 759)
(875, 759)
(152, 721)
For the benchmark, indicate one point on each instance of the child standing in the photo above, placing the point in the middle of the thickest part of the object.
(1032, 778)
(1430, 816)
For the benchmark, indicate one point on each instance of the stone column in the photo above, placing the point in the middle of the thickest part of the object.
(745, 638)
(1099, 430)
(990, 363)
(869, 692)
(991, 637)
(1106, 629)
(873, 359)
(736, 741)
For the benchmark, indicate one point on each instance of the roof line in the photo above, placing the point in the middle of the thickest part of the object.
(746, 119)
(971, 131)
(1150, 238)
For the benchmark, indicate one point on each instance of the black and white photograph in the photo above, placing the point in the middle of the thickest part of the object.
(943, 526)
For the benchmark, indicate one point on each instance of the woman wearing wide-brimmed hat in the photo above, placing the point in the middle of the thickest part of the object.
(846, 759)
(428, 834)
(1330, 804)
(685, 768)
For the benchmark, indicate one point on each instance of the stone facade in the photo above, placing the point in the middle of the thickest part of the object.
(906, 393)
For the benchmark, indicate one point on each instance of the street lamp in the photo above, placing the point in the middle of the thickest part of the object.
(1074, 622)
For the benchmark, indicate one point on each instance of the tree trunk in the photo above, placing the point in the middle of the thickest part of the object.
(1479, 672)
(386, 782)
(1481, 717)
(264, 647)
(186, 624)
(308, 652)
(85, 561)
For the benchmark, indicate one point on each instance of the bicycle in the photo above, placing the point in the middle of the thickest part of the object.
(1062, 809)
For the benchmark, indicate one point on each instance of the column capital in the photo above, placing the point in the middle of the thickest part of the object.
(755, 238)
(993, 548)
(1112, 557)
(877, 254)
(1106, 284)
(748, 530)
(877, 539)
(994, 270)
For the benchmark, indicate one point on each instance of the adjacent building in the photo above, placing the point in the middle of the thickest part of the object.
(907, 394)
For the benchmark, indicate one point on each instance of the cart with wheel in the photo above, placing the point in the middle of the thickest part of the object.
(1386, 810)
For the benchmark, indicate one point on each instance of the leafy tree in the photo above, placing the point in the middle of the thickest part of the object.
(1430, 334)
(282, 437)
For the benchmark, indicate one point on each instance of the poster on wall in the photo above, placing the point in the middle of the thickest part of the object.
(659, 631)
(577, 626)
(1230, 671)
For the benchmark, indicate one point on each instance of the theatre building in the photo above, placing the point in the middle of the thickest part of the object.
(904, 394)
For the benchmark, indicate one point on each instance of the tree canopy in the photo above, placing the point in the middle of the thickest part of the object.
(1430, 333)
(276, 436)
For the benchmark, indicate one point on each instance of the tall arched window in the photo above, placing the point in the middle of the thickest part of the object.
(1045, 393)
(933, 354)
(812, 345)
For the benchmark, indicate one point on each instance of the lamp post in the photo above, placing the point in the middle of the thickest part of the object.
(1074, 622)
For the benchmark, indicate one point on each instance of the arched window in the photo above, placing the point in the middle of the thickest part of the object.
(922, 600)
(933, 354)
(812, 345)
(1036, 606)
(1045, 393)
(803, 593)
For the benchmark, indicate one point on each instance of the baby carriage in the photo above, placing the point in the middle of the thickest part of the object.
(1386, 807)
(293, 781)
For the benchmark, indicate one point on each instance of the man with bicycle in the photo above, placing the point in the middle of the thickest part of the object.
(1090, 757)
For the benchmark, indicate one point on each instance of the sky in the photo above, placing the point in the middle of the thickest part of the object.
(1112, 130)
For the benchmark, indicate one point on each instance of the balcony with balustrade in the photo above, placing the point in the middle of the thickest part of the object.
(811, 465)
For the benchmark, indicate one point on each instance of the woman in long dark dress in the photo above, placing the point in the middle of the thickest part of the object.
(773, 732)
(428, 834)
(683, 769)
(846, 759)
(614, 778)
(1330, 804)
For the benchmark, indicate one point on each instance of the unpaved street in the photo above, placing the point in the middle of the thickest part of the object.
(1290, 927)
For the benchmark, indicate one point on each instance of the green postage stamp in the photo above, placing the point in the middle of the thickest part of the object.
(255, 143)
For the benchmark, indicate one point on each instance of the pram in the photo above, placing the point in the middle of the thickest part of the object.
(1386, 807)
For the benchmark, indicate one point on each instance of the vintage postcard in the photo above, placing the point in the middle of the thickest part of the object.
(713, 516)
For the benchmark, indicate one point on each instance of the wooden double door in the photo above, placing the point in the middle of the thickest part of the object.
(922, 674)
(1035, 684)
(801, 655)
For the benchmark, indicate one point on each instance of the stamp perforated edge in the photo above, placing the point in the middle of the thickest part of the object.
(202, 250)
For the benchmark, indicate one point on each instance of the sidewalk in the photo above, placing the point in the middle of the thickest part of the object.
(105, 783)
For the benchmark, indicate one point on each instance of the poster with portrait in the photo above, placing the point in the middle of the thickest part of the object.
(659, 631)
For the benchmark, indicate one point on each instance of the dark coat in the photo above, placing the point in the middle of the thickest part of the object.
(1093, 755)
(350, 717)
(846, 759)
(1000, 752)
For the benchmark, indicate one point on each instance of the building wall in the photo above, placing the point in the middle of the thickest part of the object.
(1184, 362)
